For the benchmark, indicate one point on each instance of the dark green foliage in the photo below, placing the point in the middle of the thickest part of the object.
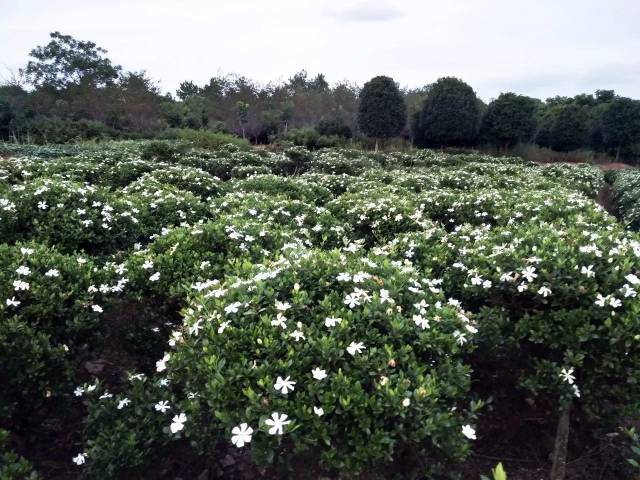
(65, 61)
(382, 112)
(564, 127)
(335, 127)
(509, 119)
(621, 124)
(450, 115)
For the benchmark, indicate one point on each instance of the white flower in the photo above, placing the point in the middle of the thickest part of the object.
(614, 302)
(241, 435)
(384, 297)
(319, 374)
(406, 402)
(277, 423)
(161, 365)
(600, 300)
(232, 308)
(155, 277)
(588, 271)
(355, 347)
(567, 375)
(52, 273)
(20, 285)
(529, 273)
(162, 406)
(284, 385)
(280, 321)
(23, 270)
(196, 327)
(352, 300)
(42, 205)
(283, 307)
(343, 277)
(223, 326)
(632, 279)
(297, 335)
(332, 321)
(26, 251)
(576, 390)
(469, 432)
(80, 459)
(147, 264)
(319, 411)
(421, 322)
(123, 403)
(544, 291)
(78, 391)
(178, 423)
(12, 302)
(96, 308)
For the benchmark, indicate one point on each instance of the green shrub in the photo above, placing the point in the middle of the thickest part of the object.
(206, 138)
(394, 399)
(12, 465)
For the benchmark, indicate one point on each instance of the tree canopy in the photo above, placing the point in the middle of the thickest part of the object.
(509, 119)
(382, 112)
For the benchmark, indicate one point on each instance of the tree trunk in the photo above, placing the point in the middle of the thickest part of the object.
(376, 147)
(559, 466)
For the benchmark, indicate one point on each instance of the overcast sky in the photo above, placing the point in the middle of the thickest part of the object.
(540, 48)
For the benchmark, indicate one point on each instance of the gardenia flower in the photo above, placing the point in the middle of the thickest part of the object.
(384, 297)
(469, 432)
(23, 270)
(600, 300)
(297, 335)
(567, 375)
(80, 459)
(588, 271)
(178, 423)
(318, 411)
(241, 435)
(319, 374)
(123, 403)
(223, 326)
(406, 402)
(421, 322)
(529, 273)
(343, 277)
(544, 291)
(355, 347)
(277, 423)
(632, 279)
(282, 306)
(42, 205)
(20, 285)
(280, 321)
(161, 364)
(162, 406)
(78, 391)
(52, 273)
(284, 385)
(96, 308)
(155, 277)
(232, 308)
(12, 302)
(352, 300)
(332, 321)
(147, 264)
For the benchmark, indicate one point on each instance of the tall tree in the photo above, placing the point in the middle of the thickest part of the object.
(450, 115)
(382, 112)
(65, 61)
(569, 129)
(621, 124)
(509, 119)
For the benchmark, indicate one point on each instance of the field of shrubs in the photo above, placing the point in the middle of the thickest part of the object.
(177, 313)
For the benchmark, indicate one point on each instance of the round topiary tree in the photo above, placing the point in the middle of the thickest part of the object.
(382, 112)
(509, 119)
(450, 115)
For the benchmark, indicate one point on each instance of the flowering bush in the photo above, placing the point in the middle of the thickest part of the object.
(364, 370)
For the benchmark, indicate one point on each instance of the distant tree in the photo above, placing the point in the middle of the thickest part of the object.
(334, 127)
(65, 61)
(450, 115)
(621, 124)
(243, 115)
(605, 96)
(188, 89)
(509, 119)
(564, 127)
(382, 112)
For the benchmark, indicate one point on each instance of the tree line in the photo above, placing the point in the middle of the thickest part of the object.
(71, 90)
